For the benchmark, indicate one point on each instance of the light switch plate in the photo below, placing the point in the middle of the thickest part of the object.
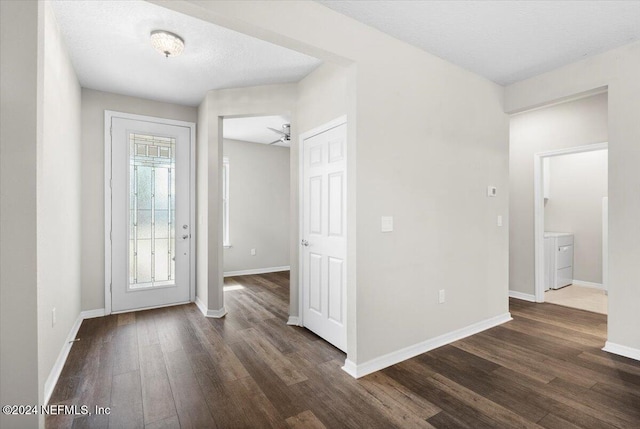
(492, 191)
(499, 220)
(386, 223)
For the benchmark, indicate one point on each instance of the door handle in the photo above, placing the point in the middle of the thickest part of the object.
(305, 243)
(185, 236)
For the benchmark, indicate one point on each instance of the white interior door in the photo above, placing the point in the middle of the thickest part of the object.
(150, 213)
(324, 235)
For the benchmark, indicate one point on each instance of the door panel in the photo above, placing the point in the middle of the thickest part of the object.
(150, 196)
(324, 235)
(315, 282)
(335, 289)
(315, 205)
(336, 209)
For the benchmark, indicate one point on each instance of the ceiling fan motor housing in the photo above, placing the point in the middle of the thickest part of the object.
(286, 134)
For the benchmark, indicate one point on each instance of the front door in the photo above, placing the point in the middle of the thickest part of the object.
(324, 239)
(150, 213)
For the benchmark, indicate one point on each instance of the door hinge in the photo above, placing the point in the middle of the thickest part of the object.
(110, 235)
(111, 183)
(111, 131)
(110, 287)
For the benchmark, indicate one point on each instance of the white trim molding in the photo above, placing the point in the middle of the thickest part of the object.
(591, 285)
(226, 243)
(91, 314)
(216, 314)
(357, 371)
(621, 350)
(256, 271)
(54, 375)
(201, 306)
(294, 321)
(521, 295)
(351, 368)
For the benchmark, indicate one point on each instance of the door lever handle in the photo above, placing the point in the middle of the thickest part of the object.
(185, 236)
(305, 243)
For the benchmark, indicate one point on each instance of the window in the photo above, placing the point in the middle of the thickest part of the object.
(225, 202)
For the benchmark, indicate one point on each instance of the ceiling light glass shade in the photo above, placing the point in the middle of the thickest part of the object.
(168, 44)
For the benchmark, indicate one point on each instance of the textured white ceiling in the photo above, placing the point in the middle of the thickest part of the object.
(110, 48)
(254, 129)
(504, 41)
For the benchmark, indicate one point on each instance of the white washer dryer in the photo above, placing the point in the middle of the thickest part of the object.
(558, 259)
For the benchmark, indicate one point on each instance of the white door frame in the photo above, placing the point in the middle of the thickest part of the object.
(108, 115)
(538, 186)
(304, 136)
(605, 243)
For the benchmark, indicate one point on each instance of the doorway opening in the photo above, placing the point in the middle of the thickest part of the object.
(256, 194)
(571, 229)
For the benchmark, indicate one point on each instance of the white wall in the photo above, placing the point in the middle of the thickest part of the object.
(20, 47)
(564, 125)
(426, 137)
(202, 203)
(259, 206)
(59, 205)
(41, 207)
(94, 103)
(578, 183)
(618, 70)
(322, 96)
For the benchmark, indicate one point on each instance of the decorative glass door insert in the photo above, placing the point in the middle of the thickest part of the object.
(152, 211)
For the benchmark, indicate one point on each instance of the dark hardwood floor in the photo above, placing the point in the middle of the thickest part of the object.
(171, 368)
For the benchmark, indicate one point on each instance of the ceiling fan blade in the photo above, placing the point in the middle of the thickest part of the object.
(276, 141)
(277, 131)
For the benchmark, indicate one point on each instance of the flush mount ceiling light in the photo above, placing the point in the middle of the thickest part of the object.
(168, 44)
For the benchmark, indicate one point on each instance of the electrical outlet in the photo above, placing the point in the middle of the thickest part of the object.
(441, 296)
(253, 252)
(53, 317)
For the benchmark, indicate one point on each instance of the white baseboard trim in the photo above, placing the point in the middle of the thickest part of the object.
(54, 375)
(201, 306)
(523, 296)
(350, 368)
(256, 271)
(621, 350)
(294, 321)
(91, 314)
(216, 314)
(588, 284)
(398, 356)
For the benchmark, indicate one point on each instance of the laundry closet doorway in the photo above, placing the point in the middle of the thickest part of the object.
(566, 241)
